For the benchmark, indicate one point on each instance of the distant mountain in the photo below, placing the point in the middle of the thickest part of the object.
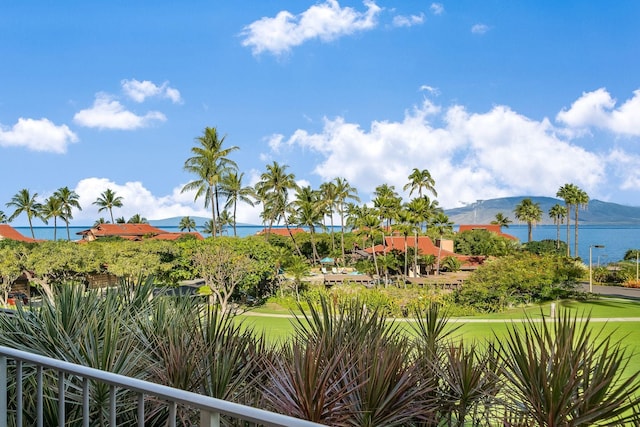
(598, 212)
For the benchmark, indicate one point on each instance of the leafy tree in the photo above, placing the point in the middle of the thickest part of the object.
(107, 201)
(482, 242)
(545, 247)
(225, 220)
(420, 180)
(187, 223)
(423, 209)
(52, 208)
(10, 267)
(501, 220)
(69, 200)
(451, 263)
(273, 188)
(209, 163)
(344, 191)
(137, 219)
(24, 202)
(298, 267)
(558, 213)
(231, 187)
(529, 212)
(208, 227)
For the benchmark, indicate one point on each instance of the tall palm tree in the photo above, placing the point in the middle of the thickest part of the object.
(209, 163)
(529, 212)
(307, 211)
(423, 209)
(107, 201)
(274, 187)
(344, 192)
(568, 193)
(52, 208)
(581, 201)
(69, 200)
(420, 180)
(387, 202)
(24, 202)
(501, 220)
(441, 225)
(558, 213)
(187, 223)
(208, 227)
(406, 225)
(231, 187)
(329, 193)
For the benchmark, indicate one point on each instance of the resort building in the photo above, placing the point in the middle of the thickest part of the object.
(133, 232)
(493, 228)
(8, 232)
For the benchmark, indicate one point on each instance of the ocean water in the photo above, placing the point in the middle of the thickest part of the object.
(616, 239)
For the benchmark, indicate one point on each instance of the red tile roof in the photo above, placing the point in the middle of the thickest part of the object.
(8, 232)
(132, 232)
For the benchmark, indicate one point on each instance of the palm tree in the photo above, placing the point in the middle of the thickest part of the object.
(307, 212)
(3, 218)
(441, 225)
(231, 187)
(273, 188)
(99, 221)
(137, 219)
(406, 226)
(558, 213)
(568, 192)
(387, 202)
(329, 193)
(420, 180)
(69, 200)
(187, 223)
(423, 209)
(501, 220)
(107, 201)
(344, 192)
(224, 221)
(209, 163)
(581, 200)
(529, 212)
(208, 227)
(121, 220)
(52, 208)
(24, 202)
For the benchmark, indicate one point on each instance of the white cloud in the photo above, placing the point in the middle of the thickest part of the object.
(480, 29)
(597, 110)
(107, 113)
(37, 135)
(140, 90)
(432, 90)
(136, 199)
(408, 21)
(471, 156)
(325, 21)
(437, 8)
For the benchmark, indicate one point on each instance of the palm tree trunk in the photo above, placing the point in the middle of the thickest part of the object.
(568, 227)
(342, 234)
(55, 229)
(235, 208)
(530, 231)
(316, 257)
(415, 254)
(575, 228)
(31, 227)
(68, 234)
(333, 238)
(286, 224)
(214, 223)
(406, 259)
(558, 235)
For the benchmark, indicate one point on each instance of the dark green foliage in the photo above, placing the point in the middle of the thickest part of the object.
(522, 278)
(483, 242)
(547, 246)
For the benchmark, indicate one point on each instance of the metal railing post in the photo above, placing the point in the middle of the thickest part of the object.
(3, 391)
(209, 419)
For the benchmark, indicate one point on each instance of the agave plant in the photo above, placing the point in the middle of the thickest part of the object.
(563, 372)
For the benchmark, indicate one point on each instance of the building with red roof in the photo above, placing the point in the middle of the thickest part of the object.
(493, 228)
(8, 232)
(134, 232)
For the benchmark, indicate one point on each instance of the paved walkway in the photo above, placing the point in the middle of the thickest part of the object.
(614, 291)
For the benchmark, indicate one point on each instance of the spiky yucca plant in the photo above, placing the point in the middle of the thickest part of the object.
(562, 372)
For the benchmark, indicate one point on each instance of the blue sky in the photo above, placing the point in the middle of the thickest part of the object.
(495, 98)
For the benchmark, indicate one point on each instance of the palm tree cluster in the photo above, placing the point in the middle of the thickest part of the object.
(576, 198)
(345, 365)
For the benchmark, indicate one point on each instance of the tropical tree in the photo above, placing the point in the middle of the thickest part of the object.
(387, 202)
(344, 192)
(209, 164)
(138, 219)
(187, 223)
(273, 189)
(69, 200)
(225, 220)
(558, 213)
(231, 187)
(99, 221)
(328, 191)
(501, 220)
(121, 220)
(420, 180)
(581, 201)
(423, 209)
(568, 193)
(529, 212)
(208, 227)
(24, 202)
(441, 225)
(107, 201)
(307, 211)
(52, 208)
(3, 218)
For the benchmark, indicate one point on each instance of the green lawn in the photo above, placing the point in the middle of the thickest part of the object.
(623, 323)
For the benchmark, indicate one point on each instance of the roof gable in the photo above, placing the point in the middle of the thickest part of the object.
(8, 232)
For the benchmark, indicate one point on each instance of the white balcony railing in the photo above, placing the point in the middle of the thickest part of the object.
(210, 408)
